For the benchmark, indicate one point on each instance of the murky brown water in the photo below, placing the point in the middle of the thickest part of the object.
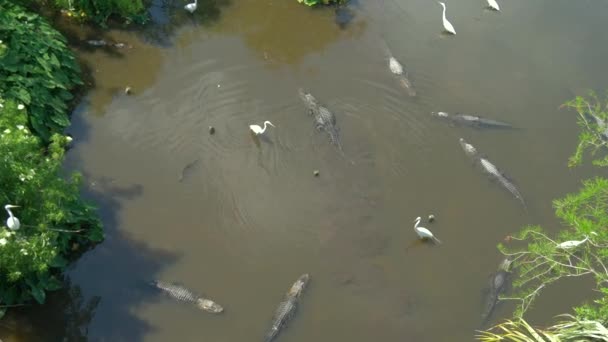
(248, 217)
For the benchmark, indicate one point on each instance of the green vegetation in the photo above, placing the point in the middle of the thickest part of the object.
(570, 330)
(37, 72)
(36, 68)
(98, 11)
(593, 118)
(321, 2)
(579, 249)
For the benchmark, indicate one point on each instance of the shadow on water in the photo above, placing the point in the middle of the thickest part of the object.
(110, 279)
(169, 15)
(66, 311)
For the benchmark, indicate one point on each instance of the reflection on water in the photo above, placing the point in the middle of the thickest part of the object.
(239, 218)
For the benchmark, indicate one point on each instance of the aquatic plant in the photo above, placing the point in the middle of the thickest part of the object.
(36, 68)
(579, 249)
(321, 2)
(569, 330)
(592, 113)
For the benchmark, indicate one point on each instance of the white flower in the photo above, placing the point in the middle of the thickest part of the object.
(20, 127)
(1, 105)
(68, 138)
(7, 131)
(23, 251)
(22, 177)
(3, 241)
(20, 106)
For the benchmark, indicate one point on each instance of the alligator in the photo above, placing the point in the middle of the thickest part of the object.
(491, 169)
(288, 307)
(101, 42)
(498, 284)
(183, 294)
(324, 119)
(396, 68)
(473, 121)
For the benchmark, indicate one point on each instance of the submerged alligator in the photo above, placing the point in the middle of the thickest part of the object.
(288, 307)
(491, 169)
(471, 120)
(185, 295)
(101, 42)
(498, 284)
(324, 119)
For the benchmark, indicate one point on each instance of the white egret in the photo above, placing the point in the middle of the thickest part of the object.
(573, 243)
(191, 7)
(12, 222)
(257, 130)
(424, 233)
(446, 24)
(493, 5)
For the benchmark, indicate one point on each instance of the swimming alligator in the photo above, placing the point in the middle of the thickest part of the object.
(288, 307)
(324, 119)
(471, 120)
(498, 284)
(185, 295)
(491, 169)
(397, 69)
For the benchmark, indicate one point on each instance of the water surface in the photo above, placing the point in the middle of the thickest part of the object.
(248, 217)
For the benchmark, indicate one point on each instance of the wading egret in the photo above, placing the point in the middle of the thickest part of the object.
(12, 222)
(493, 5)
(424, 233)
(257, 130)
(191, 7)
(446, 24)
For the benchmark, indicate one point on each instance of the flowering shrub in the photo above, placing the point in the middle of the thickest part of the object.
(56, 224)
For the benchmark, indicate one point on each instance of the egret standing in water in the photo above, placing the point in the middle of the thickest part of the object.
(191, 7)
(446, 24)
(424, 233)
(257, 130)
(12, 223)
(493, 5)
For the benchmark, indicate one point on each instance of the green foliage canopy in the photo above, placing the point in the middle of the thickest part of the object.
(36, 68)
(55, 221)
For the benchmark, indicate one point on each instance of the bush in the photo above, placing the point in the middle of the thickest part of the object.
(36, 68)
(55, 223)
(97, 11)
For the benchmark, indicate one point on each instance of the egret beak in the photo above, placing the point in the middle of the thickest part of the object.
(270, 123)
(13, 206)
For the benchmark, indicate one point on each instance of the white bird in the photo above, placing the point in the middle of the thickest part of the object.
(493, 5)
(446, 24)
(257, 130)
(12, 222)
(191, 7)
(572, 243)
(424, 233)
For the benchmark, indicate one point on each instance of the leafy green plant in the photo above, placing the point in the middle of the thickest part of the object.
(579, 250)
(36, 68)
(569, 330)
(593, 119)
(97, 11)
(56, 224)
(321, 2)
